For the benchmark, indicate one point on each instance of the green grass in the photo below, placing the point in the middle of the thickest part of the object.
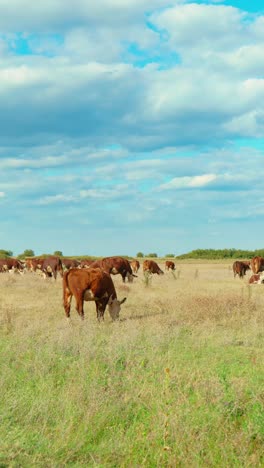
(177, 382)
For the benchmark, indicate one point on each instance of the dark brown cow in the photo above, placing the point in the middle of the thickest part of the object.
(90, 284)
(12, 265)
(52, 265)
(115, 266)
(169, 265)
(70, 263)
(257, 264)
(86, 262)
(135, 265)
(152, 267)
(240, 268)
(256, 279)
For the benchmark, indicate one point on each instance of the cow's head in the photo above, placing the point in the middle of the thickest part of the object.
(130, 277)
(114, 306)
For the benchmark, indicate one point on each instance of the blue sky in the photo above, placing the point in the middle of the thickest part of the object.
(131, 125)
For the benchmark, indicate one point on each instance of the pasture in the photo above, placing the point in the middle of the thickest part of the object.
(177, 382)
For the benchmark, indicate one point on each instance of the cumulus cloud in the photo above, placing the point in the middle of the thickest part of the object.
(59, 198)
(54, 14)
(114, 108)
(189, 182)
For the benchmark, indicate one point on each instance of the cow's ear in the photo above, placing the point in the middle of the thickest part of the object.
(123, 300)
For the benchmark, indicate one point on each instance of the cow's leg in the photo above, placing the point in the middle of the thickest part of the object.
(54, 271)
(99, 311)
(99, 314)
(67, 298)
(79, 305)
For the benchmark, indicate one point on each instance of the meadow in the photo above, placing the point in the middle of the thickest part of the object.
(177, 382)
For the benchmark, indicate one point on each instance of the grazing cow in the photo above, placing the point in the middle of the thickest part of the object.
(115, 266)
(68, 263)
(256, 279)
(51, 266)
(90, 284)
(169, 265)
(12, 265)
(152, 267)
(135, 265)
(86, 262)
(34, 263)
(240, 268)
(257, 264)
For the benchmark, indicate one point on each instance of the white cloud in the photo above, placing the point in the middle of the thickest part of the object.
(189, 182)
(199, 26)
(105, 193)
(59, 198)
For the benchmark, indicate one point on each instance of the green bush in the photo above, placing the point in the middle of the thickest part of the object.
(58, 253)
(217, 254)
(5, 253)
(27, 253)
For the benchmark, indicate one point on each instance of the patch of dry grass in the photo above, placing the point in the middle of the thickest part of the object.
(177, 382)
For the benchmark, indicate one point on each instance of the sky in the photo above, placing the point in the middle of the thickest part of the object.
(131, 126)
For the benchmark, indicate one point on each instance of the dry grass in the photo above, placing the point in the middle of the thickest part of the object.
(177, 382)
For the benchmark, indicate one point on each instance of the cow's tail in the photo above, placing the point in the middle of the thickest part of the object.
(65, 281)
(66, 289)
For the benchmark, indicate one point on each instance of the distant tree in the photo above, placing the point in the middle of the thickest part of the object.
(58, 253)
(27, 253)
(210, 254)
(169, 255)
(152, 255)
(6, 253)
(140, 254)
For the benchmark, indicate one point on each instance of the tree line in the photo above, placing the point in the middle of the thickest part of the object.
(218, 254)
(198, 254)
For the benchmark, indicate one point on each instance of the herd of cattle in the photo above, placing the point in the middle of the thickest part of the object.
(90, 280)
(256, 265)
(86, 280)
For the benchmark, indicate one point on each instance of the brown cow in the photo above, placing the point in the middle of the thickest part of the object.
(90, 284)
(12, 265)
(240, 268)
(86, 262)
(135, 265)
(115, 266)
(51, 266)
(256, 279)
(68, 263)
(257, 264)
(169, 265)
(34, 263)
(152, 267)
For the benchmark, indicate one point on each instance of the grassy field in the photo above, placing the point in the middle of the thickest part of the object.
(177, 382)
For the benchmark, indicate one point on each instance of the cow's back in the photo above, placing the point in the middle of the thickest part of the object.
(94, 279)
